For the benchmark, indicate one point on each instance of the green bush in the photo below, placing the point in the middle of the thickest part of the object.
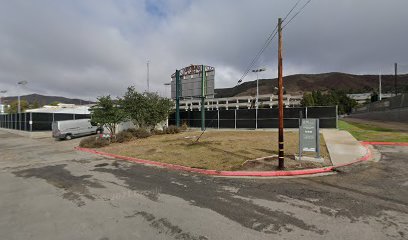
(172, 130)
(139, 133)
(124, 136)
(94, 142)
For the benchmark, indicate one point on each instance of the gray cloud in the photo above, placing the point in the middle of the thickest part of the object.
(91, 48)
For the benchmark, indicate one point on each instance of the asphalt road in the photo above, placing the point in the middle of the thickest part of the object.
(49, 191)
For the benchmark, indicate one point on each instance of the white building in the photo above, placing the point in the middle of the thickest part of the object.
(62, 108)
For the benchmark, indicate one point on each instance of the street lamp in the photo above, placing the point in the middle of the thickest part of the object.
(23, 83)
(2, 108)
(257, 71)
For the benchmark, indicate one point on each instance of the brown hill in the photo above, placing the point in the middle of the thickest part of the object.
(44, 100)
(300, 83)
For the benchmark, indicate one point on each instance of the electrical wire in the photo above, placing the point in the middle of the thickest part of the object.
(255, 59)
(270, 38)
(297, 13)
(291, 10)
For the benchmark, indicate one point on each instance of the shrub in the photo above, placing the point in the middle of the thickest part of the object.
(124, 136)
(94, 142)
(139, 133)
(158, 132)
(131, 130)
(184, 126)
(172, 129)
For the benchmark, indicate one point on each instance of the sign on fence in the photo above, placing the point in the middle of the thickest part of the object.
(309, 138)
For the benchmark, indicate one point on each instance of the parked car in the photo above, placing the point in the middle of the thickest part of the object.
(69, 129)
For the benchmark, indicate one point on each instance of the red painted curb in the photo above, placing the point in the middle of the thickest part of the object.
(230, 173)
(388, 143)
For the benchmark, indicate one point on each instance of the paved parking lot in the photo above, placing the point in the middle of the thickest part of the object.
(50, 191)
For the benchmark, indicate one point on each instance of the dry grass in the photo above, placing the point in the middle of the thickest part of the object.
(219, 150)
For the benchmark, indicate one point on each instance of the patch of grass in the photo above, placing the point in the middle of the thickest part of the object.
(218, 150)
(370, 132)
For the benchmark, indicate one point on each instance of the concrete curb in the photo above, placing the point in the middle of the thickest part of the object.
(312, 171)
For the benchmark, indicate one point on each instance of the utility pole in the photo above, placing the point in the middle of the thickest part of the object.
(280, 99)
(395, 78)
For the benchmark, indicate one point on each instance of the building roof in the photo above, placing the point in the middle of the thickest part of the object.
(63, 108)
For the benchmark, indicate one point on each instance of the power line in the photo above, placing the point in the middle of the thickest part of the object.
(269, 40)
(297, 13)
(255, 59)
(291, 10)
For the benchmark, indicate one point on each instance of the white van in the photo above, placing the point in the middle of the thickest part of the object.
(74, 128)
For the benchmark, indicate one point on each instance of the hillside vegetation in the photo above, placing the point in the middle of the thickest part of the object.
(300, 83)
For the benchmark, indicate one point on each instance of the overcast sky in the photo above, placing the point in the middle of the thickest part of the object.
(89, 48)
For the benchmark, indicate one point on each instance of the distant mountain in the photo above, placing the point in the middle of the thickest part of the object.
(300, 83)
(44, 100)
(294, 84)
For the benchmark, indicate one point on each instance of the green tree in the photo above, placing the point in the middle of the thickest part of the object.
(106, 112)
(307, 100)
(55, 103)
(14, 106)
(332, 98)
(146, 110)
(34, 105)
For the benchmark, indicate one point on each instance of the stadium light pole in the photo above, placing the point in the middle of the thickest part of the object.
(148, 75)
(257, 71)
(178, 90)
(379, 86)
(21, 83)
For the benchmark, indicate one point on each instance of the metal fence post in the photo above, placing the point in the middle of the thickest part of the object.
(337, 116)
(31, 122)
(235, 110)
(256, 117)
(306, 112)
(218, 116)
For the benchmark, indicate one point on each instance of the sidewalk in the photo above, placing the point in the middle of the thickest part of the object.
(342, 146)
